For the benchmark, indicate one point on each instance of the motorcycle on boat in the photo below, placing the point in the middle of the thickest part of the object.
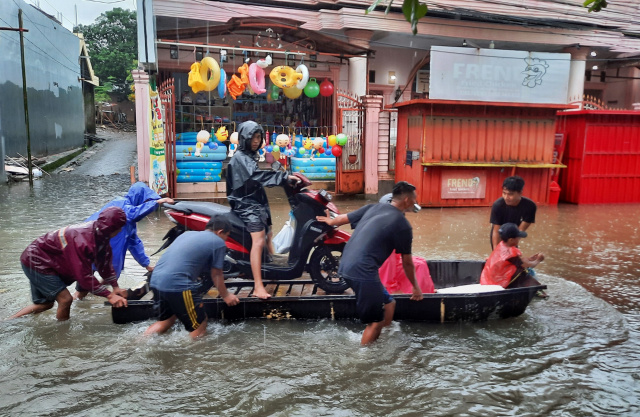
(316, 247)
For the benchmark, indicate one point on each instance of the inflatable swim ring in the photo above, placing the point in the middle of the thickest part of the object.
(256, 79)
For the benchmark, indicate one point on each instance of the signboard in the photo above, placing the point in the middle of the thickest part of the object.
(422, 81)
(473, 74)
(463, 184)
(158, 164)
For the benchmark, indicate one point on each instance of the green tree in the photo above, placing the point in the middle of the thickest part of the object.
(413, 10)
(112, 45)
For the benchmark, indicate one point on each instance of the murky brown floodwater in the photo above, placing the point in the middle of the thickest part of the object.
(575, 354)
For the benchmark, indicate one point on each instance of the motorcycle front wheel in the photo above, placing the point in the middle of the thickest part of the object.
(323, 268)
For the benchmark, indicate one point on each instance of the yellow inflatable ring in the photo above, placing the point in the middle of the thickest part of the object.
(207, 65)
(284, 76)
(195, 80)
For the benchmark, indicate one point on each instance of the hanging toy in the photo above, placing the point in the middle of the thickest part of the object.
(202, 138)
(222, 86)
(284, 76)
(233, 143)
(336, 151)
(326, 88)
(256, 79)
(292, 92)
(210, 73)
(222, 134)
(318, 143)
(342, 139)
(195, 80)
(302, 69)
(265, 62)
(332, 140)
(244, 74)
(235, 86)
(261, 157)
(312, 89)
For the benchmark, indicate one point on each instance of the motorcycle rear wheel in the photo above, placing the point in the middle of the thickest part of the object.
(323, 268)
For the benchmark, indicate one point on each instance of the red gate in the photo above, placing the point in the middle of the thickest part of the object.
(350, 168)
(167, 93)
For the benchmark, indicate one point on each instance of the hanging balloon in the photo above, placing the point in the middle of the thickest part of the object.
(341, 139)
(276, 149)
(302, 151)
(321, 150)
(312, 89)
(292, 92)
(332, 140)
(327, 152)
(336, 151)
(269, 148)
(326, 88)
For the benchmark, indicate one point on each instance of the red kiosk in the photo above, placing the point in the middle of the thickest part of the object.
(457, 153)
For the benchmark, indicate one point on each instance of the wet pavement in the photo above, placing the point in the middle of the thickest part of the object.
(575, 354)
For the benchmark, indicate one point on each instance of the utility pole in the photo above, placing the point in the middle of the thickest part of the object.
(24, 94)
(21, 30)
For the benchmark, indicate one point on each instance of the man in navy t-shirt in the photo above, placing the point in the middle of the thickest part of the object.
(379, 229)
(176, 280)
(512, 207)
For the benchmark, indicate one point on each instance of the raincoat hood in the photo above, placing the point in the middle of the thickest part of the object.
(246, 131)
(110, 220)
(140, 193)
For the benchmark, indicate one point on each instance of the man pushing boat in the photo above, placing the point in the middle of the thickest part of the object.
(380, 229)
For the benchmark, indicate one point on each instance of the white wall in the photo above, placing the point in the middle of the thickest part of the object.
(401, 61)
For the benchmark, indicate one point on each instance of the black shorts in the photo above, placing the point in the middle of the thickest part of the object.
(371, 297)
(257, 227)
(185, 305)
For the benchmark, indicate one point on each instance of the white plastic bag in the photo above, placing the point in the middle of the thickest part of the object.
(282, 241)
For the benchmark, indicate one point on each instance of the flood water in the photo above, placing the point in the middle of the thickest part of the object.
(575, 354)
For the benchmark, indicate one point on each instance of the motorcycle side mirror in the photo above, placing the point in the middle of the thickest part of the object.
(276, 166)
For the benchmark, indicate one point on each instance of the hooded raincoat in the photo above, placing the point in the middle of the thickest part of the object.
(70, 252)
(246, 182)
(138, 203)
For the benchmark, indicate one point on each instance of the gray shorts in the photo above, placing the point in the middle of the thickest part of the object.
(44, 288)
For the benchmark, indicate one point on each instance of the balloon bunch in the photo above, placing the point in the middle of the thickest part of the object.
(294, 82)
(336, 142)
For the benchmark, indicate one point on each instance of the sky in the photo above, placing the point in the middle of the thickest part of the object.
(88, 10)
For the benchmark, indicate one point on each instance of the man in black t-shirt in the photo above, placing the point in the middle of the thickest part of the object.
(380, 229)
(512, 207)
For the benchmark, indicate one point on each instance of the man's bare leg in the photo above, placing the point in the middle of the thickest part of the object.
(79, 295)
(160, 326)
(372, 331)
(200, 331)
(257, 247)
(64, 300)
(32, 309)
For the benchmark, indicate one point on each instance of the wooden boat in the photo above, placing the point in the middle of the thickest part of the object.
(302, 299)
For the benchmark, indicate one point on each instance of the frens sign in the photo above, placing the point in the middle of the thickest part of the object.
(472, 74)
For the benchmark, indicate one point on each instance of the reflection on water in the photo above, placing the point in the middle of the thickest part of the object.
(576, 353)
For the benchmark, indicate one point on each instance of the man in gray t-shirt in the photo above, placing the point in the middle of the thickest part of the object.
(379, 229)
(176, 280)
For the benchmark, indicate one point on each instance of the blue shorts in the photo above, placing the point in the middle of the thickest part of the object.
(371, 297)
(44, 288)
(186, 306)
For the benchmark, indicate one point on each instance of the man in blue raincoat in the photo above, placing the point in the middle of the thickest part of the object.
(137, 204)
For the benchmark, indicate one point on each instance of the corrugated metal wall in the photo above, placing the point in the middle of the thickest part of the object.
(53, 89)
(494, 139)
(602, 157)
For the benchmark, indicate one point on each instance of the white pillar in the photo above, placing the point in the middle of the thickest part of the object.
(358, 76)
(576, 73)
(143, 124)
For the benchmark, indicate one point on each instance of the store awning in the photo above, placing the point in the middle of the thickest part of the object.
(288, 30)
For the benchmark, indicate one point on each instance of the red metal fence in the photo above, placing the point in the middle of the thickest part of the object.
(167, 93)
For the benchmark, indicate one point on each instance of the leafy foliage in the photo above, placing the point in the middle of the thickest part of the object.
(413, 10)
(112, 45)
